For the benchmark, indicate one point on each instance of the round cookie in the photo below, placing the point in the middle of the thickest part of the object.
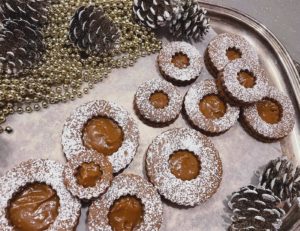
(104, 127)
(270, 119)
(225, 48)
(131, 202)
(88, 175)
(33, 197)
(207, 111)
(180, 63)
(157, 102)
(242, 83)
(184, 166)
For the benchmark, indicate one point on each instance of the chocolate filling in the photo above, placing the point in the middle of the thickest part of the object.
(180, 60)
(269, 110)
(233, 53)
(88, 174)
(246, 79)
(159, 100)
(212, 107)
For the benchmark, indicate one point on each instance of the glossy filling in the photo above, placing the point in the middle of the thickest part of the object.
(212, 107)
(34, 208)
(88, 174)
(270, 111)
(246, 79)
(233, 53)
(103, 135)
(184, 165)
(159, 100)
(180, 60)
(126, 214)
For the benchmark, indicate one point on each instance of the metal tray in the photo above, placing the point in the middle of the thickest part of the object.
(275, 59)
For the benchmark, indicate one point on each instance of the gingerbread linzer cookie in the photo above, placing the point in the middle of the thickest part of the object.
(88, 175)
(270, 119)
(34, 198)
(225, 48)
(104, 127)
(207, 111)
(131, 203)
(180, 63)
(242, 83)
(184, 166)
(157, 102)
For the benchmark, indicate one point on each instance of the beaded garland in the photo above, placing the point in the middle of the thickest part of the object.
(64, 72)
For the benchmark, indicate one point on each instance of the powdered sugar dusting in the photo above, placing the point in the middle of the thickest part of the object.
(148, 111)
(187, 193)
(42, 171)
(219, 45)
(72, 131)
(123, 185)
(272, 131)
(191, 104)
(89, 192)
(185, 74)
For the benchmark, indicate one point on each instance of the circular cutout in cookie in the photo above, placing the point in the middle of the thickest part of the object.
(33, 208)
(184, 165)
(159, 100)
(88, 174)
(180, 60)
(126, 214)
(103, 135)
(269, 110)
(246, 79)
(233, 53)
(212, 107)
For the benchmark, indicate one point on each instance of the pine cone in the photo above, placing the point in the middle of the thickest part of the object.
(282, 178)
(92, 31)
(153, 13)
(254, 208)
(21, 46)
(190, 22)
(33, 11)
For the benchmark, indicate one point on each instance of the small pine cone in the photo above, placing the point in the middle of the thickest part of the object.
(255, 208)
(282, 178)
(191, 22)
(153, 13)
(21, 46)
(92, 31)
(33, 11)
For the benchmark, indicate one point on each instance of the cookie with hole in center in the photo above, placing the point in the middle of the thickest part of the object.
(157, 102)
(270, 119)
(180, 63)
(184, 166)
(206, 110)
(34, 198)
(131, 203)
(225, 48)
(242, 83)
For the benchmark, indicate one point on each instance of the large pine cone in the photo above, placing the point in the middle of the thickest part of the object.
(33, 11)
(190, 22)
(21, 46)
(255, 208)
(92, 31)
(153, 13)
(282, 178)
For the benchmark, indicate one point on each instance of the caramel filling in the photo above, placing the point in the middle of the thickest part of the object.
(103, 135)
(159, 100)
(269, 111)
(212, 107)
(88, 174)
(180, 60)
(34, 208)
(184, 165)
(246, 79)
(233, 53)
(126, 214)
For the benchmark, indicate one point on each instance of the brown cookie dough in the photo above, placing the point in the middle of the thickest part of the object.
(131, 203)
(193, 176)
(101, 125)
(34, 198)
